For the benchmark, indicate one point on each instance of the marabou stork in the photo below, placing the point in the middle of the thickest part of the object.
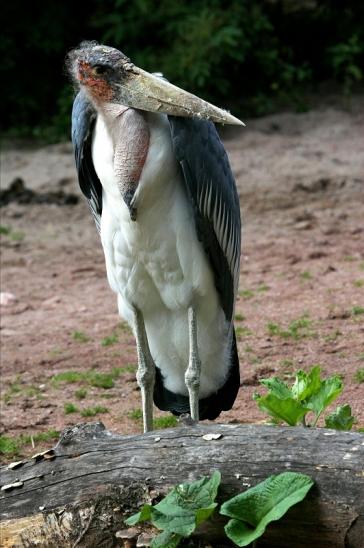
(160, 187)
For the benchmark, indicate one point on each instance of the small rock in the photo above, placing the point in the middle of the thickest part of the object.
(8, 332)
(7, 299)
(52, 301)
(210, 437)
(303, 225)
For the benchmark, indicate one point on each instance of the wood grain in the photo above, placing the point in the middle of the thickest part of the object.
(81, 494)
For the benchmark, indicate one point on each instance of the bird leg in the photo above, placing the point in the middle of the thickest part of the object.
(146, 370)
(193, 371)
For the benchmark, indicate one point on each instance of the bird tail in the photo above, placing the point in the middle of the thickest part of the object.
(210, 407)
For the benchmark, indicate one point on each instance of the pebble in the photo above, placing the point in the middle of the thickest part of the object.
(7, 299)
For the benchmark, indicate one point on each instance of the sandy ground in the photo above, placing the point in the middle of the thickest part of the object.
(301, 184)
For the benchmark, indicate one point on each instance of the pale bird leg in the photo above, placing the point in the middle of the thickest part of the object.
(193, 371)
(146, 370)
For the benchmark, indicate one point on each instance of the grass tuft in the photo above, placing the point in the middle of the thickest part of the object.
(80, 336)
(81, 393)
(8, 445)
(239, 317)
(241, 331)
(262, 287)
(297, 329)
(110, 340)
(135, 414)
(169, 421)
(11, 446)
(92, 378)
(246, 293)
(70, 408)
(359, 375)
(92, 411)
(306, 275)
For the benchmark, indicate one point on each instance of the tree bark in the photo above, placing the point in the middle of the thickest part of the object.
(80, 493)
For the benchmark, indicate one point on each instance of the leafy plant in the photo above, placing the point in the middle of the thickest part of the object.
(181, 511)
(189, 504)
(340, 419)
(253, 510)
(307, 394)
(345, 61)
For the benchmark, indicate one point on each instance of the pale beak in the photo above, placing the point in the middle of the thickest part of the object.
(145, 91)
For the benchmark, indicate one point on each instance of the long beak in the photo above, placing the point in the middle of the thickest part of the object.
(146, 91)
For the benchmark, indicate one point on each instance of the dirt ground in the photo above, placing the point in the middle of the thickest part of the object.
(301, 184)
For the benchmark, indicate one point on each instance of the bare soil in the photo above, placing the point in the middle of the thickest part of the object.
(301, 184)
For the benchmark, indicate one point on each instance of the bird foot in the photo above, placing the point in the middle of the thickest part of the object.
(186, 420)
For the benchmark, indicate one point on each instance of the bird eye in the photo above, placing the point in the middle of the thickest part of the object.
(98, 70)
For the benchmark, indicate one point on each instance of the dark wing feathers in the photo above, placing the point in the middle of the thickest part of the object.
(209, 184)
(211, 187)
(83, 121)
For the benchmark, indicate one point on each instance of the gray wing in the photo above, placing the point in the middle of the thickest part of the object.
(83, 122)
(211, 188)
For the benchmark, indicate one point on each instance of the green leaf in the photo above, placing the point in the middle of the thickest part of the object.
(288, 410)
(184, 508)
(340, 419)
(166, 540)
(268, 501)
(183, 524)
(143, 515)
(191, 496)
(329, 390)
(305, 384)
(187, 505)
(277, 387)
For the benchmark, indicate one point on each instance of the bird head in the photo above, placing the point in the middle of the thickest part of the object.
(107, 75)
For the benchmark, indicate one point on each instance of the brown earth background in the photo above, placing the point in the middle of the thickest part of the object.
(300, 179)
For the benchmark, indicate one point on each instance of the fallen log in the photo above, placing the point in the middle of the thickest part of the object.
(79, 493)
